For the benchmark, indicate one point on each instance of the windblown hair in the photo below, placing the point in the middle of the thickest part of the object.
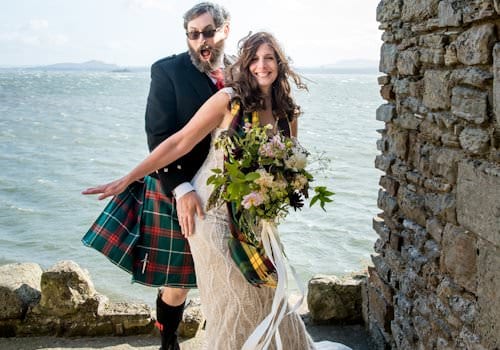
(246, 87)
(218, 13)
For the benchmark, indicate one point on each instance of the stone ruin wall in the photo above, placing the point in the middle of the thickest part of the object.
(435, 283)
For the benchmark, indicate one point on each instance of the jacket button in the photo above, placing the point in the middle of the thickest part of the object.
(165, 170)
(179, 166)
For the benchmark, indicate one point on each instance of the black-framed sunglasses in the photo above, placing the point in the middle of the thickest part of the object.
(207, 33)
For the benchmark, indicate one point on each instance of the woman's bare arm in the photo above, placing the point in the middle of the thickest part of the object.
(208, 117)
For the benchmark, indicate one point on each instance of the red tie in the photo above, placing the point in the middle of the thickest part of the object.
(218, 75)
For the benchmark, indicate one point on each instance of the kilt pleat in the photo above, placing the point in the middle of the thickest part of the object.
(139, 232)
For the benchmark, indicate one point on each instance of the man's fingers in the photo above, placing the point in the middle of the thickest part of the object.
(199, 211)
(190, 226)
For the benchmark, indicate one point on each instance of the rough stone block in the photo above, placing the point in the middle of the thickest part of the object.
(475, 10)
(402, 87)
(192, 320)
(408, 62)
(381, 228)
(412, 205)
(496, 84)
(437, 90)
(408, 121)
(488, 294)
(474, 45)
(376, 282)
(432, 56)
(386, 202)
(478, 204)
(449, 15)
(388, 58)
(397, 141)
(387, 92)
(419, 10)
(444, 163)
(390, 184)
(450, 55)
(331, 299)
(433, 41)
(384, 162)
(459, 257)
(388, 10)
(442, 205)
(384, 80)
(475, 141)
(67, 289)
(386, 112)
(435, 228)
(380, 310)
(19, 289)
(470, 104)
(474, 76)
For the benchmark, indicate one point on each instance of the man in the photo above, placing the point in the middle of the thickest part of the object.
(180, 84)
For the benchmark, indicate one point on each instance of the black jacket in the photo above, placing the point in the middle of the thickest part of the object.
(177, 91)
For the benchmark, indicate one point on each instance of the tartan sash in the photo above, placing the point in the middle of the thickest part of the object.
(250, 259)
(138, 231)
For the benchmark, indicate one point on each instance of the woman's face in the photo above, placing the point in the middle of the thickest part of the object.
(264, 67)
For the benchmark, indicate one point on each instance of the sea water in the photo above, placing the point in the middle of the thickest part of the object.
(61, 132)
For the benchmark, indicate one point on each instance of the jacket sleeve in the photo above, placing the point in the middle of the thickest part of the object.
(161, 121)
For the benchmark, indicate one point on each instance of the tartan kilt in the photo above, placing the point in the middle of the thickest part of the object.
(139, 232)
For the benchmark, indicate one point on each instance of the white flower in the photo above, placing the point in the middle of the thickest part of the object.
(253, 199)
(297, 161)
(265, 179)
(299, 182)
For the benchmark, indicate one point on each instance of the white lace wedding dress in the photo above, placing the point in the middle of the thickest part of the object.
(232, 306)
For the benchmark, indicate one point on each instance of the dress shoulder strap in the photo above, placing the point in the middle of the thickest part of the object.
(284, 126)
(229, 91)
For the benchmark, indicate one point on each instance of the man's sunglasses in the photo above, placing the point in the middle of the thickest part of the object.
(207, 33)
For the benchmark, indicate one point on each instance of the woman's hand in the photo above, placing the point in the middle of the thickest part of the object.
(110, 189)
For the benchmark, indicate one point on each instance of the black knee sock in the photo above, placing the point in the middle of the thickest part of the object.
(169, 317)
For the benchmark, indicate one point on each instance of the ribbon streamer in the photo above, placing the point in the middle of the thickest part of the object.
(263, 334)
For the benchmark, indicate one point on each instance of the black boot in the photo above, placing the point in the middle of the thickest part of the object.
(168, 319)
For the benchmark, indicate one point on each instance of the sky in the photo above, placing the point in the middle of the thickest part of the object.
(138, 32)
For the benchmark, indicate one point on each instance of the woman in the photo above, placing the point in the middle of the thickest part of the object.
(232, 306)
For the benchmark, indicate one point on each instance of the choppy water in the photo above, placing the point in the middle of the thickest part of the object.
(61, 132)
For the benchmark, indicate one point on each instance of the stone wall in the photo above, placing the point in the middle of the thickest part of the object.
(436, 277)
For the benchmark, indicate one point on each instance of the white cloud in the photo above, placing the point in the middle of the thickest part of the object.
(34, 33)
(161, 5)
(37, 24)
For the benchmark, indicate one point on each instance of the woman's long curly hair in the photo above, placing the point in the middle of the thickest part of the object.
(245, 85)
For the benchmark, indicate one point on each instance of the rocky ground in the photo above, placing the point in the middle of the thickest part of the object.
(354, 336)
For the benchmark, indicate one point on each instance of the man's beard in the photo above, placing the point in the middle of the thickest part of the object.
(215, 57)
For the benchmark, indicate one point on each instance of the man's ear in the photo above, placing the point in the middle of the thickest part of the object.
(226, 28)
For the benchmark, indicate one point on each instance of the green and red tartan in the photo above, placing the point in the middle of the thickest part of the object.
(138, 231)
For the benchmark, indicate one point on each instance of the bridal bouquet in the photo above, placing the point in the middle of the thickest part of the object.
(263, 177)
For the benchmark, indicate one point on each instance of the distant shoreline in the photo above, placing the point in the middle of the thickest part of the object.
(302, 70)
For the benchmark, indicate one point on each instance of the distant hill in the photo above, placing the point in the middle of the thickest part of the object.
(340, 67)
(85, 66)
